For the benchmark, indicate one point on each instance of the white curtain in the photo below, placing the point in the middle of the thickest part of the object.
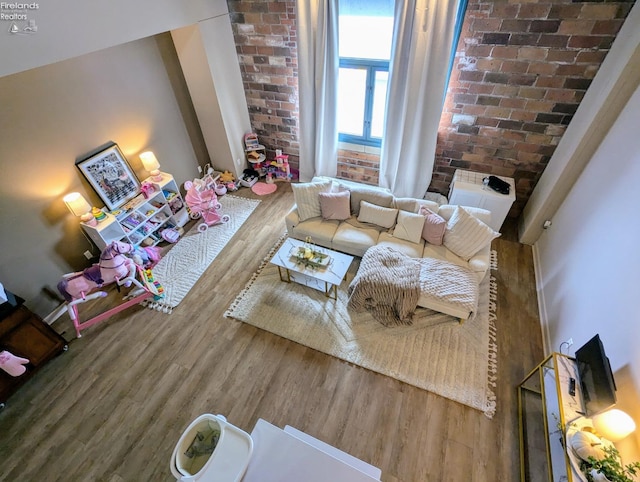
(422, 39)
(318, 84)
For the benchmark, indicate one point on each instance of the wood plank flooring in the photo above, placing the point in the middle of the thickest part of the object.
(113, 406)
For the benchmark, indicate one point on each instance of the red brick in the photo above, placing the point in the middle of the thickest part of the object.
(486, 24)
(565, 11)
(523, 115)
(498, 112)
(504, 10)
(584, 41)
(542, 68)
(534, 10)
(556, 55)
(512, 103)
(604, 11)
(575, 70)
(503, 52)
(560, 95)
(576, 27)
(532, 53)
(531, 93)
(514, 66)
(607, 27)
(539, 105)
(489, 65)
(591, 56)
(555, 82)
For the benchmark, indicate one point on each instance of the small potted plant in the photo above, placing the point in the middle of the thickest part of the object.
(609, 468)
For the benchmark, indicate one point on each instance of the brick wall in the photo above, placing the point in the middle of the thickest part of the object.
(521, 70)
(265, 35)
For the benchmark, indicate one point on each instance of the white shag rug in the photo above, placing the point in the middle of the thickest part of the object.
(436, 353)
(183, 265)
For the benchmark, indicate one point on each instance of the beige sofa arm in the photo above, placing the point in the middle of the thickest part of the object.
(292, 219)
(481, 262)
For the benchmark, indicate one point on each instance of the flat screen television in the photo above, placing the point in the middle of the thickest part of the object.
(596, 378)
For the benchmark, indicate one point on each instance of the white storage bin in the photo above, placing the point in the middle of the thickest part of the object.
(193, 460)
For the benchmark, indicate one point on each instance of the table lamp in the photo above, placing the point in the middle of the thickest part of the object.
(613, 424)
(79, 206)
(152, 165)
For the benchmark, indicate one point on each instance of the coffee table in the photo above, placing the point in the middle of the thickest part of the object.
(323, 278)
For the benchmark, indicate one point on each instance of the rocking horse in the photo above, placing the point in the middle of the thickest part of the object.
(113, 267)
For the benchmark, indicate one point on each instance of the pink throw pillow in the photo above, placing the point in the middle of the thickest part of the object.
(434, 226)
(335, 205)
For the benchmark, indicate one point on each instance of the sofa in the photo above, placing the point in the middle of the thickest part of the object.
(373, 216)
(355, 237)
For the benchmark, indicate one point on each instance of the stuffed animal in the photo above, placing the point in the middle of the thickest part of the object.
(227, 176)
(12, 364)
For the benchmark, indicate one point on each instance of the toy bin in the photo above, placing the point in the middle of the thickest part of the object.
(211, 449)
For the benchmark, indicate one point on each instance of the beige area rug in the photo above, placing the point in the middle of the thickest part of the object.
(436, 353)
(183, 265)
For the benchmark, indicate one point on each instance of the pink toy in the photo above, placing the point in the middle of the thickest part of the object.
(203, 202)
(113, 267)
(12, 364)
(143, 256)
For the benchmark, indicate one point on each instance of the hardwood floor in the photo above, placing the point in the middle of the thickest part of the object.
(113, 406)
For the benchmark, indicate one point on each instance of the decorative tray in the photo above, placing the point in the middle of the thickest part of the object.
(310, 257)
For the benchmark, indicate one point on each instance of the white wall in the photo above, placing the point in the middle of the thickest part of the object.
(609, 92)
(130, 94)
(70, 28)
(588, 261)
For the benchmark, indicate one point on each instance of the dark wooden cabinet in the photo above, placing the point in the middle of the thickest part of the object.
(24, 334)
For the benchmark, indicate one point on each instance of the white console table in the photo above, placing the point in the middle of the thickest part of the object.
(545, 409)
(290, 454)
(467, 189)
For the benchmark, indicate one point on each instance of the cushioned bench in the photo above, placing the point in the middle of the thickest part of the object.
(448, 288)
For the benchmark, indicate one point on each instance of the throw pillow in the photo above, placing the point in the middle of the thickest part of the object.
(409, 226)
(372, 194)
(466, 235)
(306, 198)
(374, 214)
(434, 226)
(335, 205)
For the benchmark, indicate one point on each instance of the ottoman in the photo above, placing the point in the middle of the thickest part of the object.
(448, 288)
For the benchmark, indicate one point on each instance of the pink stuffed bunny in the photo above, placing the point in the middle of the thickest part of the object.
(13, 365)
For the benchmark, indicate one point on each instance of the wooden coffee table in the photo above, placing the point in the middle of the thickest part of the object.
(322, 278)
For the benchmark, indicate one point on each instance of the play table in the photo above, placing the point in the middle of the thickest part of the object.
(324, 276)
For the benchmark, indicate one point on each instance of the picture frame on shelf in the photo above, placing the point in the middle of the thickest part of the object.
(110, 175)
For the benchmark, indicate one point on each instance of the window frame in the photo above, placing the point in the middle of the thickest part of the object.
(371, 66)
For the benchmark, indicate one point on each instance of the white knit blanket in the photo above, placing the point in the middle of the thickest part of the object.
(387, 285)
(448, 283)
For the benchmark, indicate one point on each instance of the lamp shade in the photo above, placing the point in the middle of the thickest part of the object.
(613, 424)
(149, 161)
(77, 204)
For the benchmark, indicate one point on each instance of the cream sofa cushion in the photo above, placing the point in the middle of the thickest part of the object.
(354, 240)
(378, 215)
(413, 250)
(409, 226)
(371, 195)
(320, 230)
(465, 235)
(306, 198)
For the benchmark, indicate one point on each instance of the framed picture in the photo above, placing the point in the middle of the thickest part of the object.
(110, 175)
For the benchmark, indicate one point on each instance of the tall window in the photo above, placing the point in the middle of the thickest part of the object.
(365, 35)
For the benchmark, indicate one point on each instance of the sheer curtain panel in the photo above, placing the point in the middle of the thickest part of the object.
(317, 32)
(423, 36)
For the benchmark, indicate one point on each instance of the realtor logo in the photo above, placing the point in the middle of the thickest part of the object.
(31, 27)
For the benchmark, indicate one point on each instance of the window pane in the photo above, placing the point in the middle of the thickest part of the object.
(365, 29)
(351, 93)
(379, 103)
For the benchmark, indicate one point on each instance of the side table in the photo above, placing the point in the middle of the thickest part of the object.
(24, 334)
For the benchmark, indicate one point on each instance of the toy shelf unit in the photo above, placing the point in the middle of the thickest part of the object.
(141, 220)
(255, 152)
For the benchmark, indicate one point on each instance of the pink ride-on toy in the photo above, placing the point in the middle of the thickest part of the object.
(203, 202)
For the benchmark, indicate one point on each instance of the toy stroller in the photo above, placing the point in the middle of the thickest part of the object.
(203, 202)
